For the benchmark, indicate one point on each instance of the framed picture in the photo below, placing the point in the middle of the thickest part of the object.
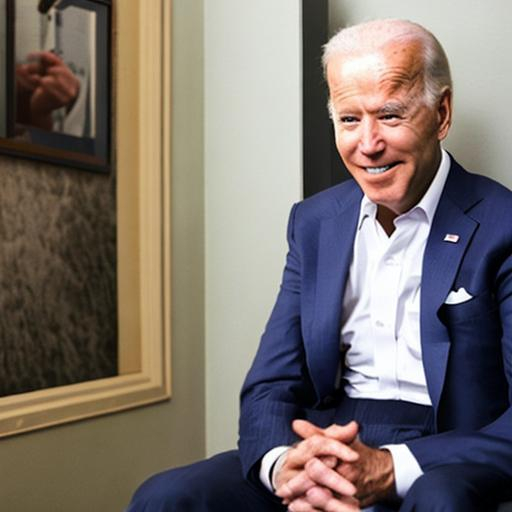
(3, 65)
(143, 117)
(55, 101)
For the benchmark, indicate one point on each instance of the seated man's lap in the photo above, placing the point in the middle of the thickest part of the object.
(212, 485)
(454, 487)
(217, 485)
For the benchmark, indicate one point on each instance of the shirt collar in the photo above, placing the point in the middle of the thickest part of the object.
(428, 203)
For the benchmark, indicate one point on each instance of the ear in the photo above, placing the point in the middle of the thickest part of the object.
(444, 113)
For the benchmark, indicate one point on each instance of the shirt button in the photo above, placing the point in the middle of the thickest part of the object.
(379, 323)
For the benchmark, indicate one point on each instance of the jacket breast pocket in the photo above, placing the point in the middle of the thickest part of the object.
(478, 308)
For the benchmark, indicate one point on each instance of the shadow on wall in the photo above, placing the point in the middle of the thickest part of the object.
(470, 143)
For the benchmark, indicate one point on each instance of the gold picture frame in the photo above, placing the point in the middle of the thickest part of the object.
(142, 78)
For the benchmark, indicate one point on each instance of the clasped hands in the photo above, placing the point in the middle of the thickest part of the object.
(333, 471)
(43, 84)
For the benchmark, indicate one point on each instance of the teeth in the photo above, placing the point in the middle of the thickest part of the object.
(378, 170)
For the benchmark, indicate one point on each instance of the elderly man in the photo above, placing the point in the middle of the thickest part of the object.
(382, 378)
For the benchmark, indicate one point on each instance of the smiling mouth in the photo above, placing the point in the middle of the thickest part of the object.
(380, 170)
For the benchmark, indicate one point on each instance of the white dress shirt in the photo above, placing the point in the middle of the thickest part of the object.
(380, 334)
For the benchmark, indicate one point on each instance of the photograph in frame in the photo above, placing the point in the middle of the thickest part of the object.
(3, 64)
(57, 92)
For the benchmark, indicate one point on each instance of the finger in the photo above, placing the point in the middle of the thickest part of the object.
(349, 471)
(61, 72)
(322, 499)
(319, 445)
(63, 81)
(295, 487)
(24, 71)
(342, 505)
(56, 92)
(45, 58)
(326, 477)
(346, 433)
(46, 98)
(319, 496)
(305, 428)
(301, 505)
(25, 82)
(329, 461)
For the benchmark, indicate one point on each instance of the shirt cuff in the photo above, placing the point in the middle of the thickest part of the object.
(406, 467)
(267, 465)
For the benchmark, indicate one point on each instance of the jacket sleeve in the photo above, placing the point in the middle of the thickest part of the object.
(277, 387)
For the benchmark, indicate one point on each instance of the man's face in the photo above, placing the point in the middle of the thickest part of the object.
(385, 133)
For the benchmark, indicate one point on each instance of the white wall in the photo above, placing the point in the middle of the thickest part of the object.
(252, 177)
(476, 36)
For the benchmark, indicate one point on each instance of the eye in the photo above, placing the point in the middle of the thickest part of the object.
(389, 117)
(348, 119)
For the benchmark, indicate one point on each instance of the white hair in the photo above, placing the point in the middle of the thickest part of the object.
(375, 35)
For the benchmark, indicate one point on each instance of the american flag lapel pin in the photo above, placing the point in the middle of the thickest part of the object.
(450, 237)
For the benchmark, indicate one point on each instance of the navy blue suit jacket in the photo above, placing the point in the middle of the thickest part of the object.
(467, 348)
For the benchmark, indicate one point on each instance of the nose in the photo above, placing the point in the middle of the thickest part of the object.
(371, 141)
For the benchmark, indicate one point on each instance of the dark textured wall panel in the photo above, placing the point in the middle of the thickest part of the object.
(58, 305)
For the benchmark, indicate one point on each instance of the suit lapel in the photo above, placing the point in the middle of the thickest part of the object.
(336, 240)
(440, 264)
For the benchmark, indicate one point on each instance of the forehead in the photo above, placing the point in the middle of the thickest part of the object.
(394, 68)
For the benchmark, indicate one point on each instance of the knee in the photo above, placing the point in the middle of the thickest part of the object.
(161, 493)
(202, 486)
(441, 490)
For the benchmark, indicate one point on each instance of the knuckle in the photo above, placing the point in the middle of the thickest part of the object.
(318, 496)
(317, 470)
(313, 463)
(316, 441)
(343, 469)
(335, 446)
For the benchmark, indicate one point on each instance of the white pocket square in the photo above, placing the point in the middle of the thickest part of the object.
(458, 296)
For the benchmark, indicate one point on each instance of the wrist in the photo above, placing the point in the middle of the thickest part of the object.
(387, 475)
(268, 466)
(406, 468)
(276, 470)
